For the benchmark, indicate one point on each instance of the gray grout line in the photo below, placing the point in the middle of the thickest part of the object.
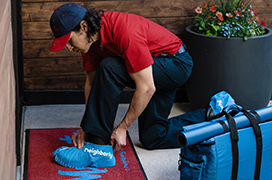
(23, 157)
(22, 144)
(18, 172)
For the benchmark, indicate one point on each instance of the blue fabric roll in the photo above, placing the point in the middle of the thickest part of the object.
(193, 134)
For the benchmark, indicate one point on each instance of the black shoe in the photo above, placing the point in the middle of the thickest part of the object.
(209, 113)
(96, 139)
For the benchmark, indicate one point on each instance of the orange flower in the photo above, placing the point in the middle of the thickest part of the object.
(264, 18)
(212, 9)
(198, 10)
(249, 20)
(229, 15)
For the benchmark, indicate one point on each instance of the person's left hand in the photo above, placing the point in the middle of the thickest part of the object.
(118, 138)
(79, 139)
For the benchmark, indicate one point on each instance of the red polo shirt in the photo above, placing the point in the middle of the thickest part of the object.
(133, 37)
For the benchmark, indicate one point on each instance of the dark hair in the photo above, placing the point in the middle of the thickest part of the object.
(93, 18)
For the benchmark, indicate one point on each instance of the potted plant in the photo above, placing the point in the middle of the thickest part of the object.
(232, 51)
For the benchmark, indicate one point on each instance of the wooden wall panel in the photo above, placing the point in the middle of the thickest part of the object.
(7, 95)
(53, 67)
(55, 82)
(42, 31)
(63, 70)
(43, 11)
(37, 30)
(40, 49)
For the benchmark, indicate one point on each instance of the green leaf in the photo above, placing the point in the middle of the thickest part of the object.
(202, 24)
(216, 28)
(210, 34)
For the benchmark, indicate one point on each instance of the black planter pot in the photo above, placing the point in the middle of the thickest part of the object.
(241, 68)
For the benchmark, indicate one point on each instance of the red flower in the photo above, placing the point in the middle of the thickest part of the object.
(264, 18)
(220, 17)
(204, 4)
(237, 13)
(249, 20)
(212, 9)
(257, 18)
(218, 13)
(254, 12)
(263, 23)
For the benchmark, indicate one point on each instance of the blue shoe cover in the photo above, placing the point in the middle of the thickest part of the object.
(223, 101)
(90, 155)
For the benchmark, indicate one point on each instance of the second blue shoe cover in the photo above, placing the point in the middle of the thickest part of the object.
(223, 101)
(90, 155)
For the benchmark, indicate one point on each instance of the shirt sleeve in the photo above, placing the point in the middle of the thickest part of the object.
(131, 39)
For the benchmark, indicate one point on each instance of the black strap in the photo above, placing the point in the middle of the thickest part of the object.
(258, 118)
(234, 143)
(259, 141)
(219, 115)
(254, 120)
(223, 124)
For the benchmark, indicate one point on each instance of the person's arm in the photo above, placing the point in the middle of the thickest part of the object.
(88, 84)
(79, 138)
(144, 90)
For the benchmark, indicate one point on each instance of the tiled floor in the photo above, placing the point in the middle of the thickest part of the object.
(158, 164)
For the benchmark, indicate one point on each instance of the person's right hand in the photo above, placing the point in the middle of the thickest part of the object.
(79, 139)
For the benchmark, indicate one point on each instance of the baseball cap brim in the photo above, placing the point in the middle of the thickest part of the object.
(60, 43)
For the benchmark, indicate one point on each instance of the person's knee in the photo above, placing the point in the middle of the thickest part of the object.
(147, 144)
(148, 141)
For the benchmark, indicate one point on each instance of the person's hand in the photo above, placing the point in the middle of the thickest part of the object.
(118, 138)
(79, 139)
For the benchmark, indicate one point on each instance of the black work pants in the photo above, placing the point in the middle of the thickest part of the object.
(155, 129)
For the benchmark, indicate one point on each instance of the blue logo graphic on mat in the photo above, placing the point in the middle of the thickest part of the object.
(123, 159)
(67, 138)
(89, 173)
(84, 175)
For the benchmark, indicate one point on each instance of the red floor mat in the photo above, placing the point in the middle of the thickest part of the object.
(40, 164)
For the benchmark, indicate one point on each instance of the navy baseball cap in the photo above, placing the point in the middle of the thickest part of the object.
(63, 21)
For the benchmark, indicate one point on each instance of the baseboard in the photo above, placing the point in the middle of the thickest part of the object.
(42, 97)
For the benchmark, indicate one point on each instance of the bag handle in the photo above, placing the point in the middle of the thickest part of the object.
(234, 144)
(259, 141)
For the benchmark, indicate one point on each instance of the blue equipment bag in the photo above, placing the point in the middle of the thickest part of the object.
(229, 147)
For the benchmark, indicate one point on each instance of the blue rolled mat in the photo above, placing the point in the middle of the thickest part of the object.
(203, 131)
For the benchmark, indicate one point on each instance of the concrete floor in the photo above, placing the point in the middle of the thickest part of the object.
(158, 164)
